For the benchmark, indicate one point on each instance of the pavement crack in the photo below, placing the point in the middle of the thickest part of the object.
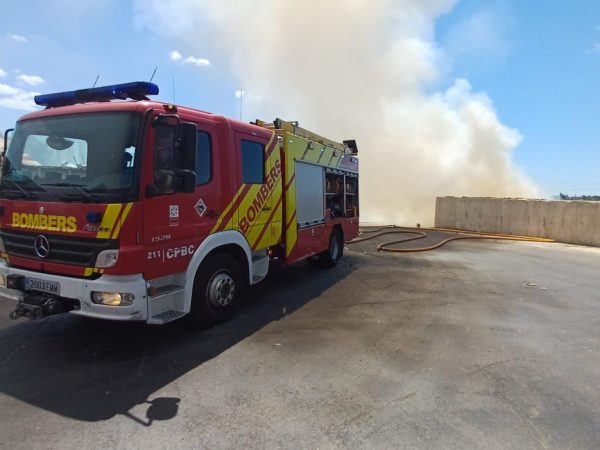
(487, 366)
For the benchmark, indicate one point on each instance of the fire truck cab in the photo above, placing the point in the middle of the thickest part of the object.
(117, 207)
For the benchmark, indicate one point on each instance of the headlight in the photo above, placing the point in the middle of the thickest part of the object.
(112, 298)
(2, 280)
(107, 258)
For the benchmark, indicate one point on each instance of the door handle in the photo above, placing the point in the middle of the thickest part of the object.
(266, 208)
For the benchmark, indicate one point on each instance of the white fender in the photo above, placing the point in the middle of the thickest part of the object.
(208, 245)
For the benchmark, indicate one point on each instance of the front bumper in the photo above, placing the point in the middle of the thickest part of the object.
(81, 289)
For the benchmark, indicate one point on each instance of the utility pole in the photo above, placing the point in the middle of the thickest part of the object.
(242, 92)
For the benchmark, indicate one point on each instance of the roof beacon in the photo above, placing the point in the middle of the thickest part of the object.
(138, 90)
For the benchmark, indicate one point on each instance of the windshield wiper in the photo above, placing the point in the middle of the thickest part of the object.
(83, 193)
(28, 179)
(24, 193)
(22, 179)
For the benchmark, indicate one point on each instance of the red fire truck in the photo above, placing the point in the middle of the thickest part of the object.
(117, 207)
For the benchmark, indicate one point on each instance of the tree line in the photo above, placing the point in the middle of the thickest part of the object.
(590, 198)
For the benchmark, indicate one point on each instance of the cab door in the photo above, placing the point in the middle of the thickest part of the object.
(175, 222)
(260, 211)
(214, 182)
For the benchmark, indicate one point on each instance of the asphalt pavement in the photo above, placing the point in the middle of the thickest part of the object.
(476, 345)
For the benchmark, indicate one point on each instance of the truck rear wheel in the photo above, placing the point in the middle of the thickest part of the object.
(331, 256)
(218, 286)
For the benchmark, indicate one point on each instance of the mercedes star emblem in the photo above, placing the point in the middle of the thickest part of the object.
(42, 246)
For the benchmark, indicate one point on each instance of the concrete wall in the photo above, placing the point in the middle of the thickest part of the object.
(573, 222)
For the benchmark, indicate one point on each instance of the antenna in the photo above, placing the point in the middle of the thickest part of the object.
(96, 81)
(173, 90)
(152, 77)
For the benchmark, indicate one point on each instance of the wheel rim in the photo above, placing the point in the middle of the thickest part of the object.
(220, 290)
(335, 247)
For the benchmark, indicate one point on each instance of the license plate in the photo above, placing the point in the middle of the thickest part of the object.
(51, 287)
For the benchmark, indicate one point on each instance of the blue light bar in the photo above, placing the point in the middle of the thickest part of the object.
(138, 90)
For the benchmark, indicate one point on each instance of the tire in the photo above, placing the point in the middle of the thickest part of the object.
(218, 288)
(331, 256)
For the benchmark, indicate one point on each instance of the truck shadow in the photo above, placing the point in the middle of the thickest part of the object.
(93, 370)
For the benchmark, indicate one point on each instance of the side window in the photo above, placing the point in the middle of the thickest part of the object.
(253, 165)
(203, 158)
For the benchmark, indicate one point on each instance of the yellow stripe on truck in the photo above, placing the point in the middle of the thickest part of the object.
(226, 211)
(108, 220)
(291, 232)
(233, 219)
(272, 231)
(121, 221)
(272, 234)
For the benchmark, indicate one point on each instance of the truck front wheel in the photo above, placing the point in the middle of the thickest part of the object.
(218, 287)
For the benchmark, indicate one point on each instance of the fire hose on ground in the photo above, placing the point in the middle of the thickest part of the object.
(419, 233)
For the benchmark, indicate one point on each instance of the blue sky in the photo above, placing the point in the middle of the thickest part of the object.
(538, 61)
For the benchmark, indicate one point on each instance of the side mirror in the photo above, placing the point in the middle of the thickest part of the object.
(188, 134)
(186, 180)
(6, 133)
(152, 191)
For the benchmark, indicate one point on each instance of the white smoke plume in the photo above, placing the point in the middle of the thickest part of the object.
(359, 69)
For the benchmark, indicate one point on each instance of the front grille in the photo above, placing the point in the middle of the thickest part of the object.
(70, 250)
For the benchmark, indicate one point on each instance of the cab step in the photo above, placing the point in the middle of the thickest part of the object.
(260, 266)
(166, 305)
(166, 317)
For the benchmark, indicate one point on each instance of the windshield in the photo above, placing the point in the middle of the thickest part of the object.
(88, 157)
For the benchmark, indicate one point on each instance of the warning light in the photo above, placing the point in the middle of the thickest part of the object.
(138, 90)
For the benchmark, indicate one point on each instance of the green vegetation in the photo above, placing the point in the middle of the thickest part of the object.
(590, 198)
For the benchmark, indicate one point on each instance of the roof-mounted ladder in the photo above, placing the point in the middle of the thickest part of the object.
(292, 127)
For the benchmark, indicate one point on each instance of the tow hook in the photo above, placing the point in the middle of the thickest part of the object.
(36, 306)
